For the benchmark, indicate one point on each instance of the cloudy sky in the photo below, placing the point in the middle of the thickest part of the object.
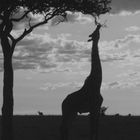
(53, 61)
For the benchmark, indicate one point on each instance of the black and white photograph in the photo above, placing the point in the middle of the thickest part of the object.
(69, 69)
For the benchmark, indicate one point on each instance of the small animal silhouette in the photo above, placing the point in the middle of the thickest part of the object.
(40, 113)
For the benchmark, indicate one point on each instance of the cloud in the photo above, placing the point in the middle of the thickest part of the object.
(128, 13)
(128, 80)
(54, 86)
(51, 86)
(46, 54)
(125, 6)
(78, 17)
(126, 40)
(72, 17)
(24, 23)
(132, 29)
(120, 43)
(125, 50)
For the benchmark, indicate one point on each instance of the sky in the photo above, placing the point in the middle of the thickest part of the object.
(54, 60)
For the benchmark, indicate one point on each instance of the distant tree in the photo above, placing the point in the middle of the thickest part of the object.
(129, 115)
(117, 115)
(103, 110)
(16, 11)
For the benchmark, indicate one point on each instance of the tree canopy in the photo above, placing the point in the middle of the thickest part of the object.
(97, 7)
(47, 8)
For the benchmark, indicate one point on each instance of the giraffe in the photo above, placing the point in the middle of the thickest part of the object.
(88, 98)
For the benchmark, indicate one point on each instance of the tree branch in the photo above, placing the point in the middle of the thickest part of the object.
(1, 29)
(11, 37)
(1, 17)
(27, 31)
(55, 13)
(13, 46)
(22, 17)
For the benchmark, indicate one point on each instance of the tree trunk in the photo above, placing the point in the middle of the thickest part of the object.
(7, 108)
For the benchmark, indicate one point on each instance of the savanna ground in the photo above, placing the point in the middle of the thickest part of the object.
(47, 128)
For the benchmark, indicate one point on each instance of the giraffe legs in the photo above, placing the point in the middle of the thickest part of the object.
(64, 130)
(94, 119)
(65, 126)
(67, 118)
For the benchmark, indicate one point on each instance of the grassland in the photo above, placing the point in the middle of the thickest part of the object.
(47, 128)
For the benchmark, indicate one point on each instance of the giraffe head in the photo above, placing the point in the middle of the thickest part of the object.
(96, 34)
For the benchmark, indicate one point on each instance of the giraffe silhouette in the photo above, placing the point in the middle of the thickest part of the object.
(88, 98)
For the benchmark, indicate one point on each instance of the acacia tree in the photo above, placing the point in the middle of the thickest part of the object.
(10, 14)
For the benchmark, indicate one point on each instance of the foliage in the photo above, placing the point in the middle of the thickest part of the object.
(9, 9)
(43, 6)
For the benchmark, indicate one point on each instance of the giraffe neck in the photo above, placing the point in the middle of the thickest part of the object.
(96, 69)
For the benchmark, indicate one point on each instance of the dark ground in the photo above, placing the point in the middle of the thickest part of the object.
(47, 128)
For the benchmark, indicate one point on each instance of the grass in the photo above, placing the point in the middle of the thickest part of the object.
(47, 128)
